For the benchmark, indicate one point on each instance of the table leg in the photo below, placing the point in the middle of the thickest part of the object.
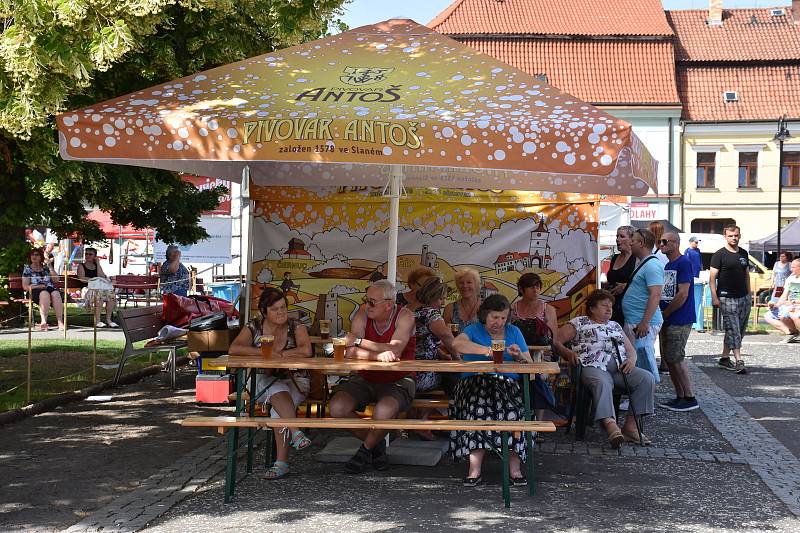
(233, 440)
(526, 383)
(251, 432)
(506, 475)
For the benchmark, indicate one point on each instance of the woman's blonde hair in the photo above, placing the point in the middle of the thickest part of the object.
(465, 272)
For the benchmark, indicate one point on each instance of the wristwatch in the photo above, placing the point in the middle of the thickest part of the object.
(357, 342)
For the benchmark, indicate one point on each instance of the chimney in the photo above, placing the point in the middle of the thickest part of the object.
(796, 11)
(715, 12)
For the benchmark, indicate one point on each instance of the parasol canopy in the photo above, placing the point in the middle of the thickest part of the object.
(390, 99)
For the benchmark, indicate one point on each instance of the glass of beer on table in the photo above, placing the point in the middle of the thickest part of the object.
(324, 329)
(266, 345)
(498, 349)
(339, 344)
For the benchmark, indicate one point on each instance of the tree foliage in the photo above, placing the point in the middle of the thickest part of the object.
(57, 55)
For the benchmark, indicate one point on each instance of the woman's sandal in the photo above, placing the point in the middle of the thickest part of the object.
(634, 438)
(276, 471)
(299, 440)
(43, 326)
(616, 438)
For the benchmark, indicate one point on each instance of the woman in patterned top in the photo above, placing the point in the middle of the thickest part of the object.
(36, 278)
(593, 338)
(174, 276)
(285, 391)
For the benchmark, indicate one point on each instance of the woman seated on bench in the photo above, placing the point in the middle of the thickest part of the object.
(36, 278)
(284, 390)
(489, 396)
(94, 298)
(593, 338)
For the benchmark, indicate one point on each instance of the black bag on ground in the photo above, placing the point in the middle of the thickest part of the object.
(212, 322)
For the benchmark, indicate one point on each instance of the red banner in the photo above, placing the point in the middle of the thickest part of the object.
(201, 182)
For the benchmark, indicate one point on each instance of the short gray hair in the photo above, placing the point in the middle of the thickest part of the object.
(630, 230)
(388, 288)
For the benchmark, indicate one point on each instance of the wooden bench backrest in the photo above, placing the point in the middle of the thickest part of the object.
(141, 323)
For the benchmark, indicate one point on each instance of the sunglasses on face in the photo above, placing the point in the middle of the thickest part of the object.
(664, 242)
(372, 303)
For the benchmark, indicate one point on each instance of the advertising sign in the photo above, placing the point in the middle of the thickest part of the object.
(216, 249)
(204, 183)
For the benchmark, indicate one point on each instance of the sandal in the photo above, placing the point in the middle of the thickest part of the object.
(473, 481)
(299, 440)
(43, 326)
(277, 471)
(634, 438)
(519, 481)
(616, 438)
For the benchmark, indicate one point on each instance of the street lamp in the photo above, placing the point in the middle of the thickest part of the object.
(780, 137)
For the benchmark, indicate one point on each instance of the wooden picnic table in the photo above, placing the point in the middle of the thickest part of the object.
(243, 362)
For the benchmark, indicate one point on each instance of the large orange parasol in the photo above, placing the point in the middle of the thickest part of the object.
(383, 103)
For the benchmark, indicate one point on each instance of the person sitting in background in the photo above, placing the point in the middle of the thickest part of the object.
(414, 280)
(285, 390)
(174, 276)
(788, 304)
(36, 279)
(780, 271)
(94, 298)
(464, 311)
(489, 396)
(593, 339)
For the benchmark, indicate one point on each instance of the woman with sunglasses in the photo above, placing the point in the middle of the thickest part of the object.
(94, 298)
(414, 280)
(285, 390)
(36, 279)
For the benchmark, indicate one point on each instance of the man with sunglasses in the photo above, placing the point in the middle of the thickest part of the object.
(380, 331)
(677, 309)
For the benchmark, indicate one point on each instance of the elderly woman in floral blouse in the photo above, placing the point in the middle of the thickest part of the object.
(593, 338)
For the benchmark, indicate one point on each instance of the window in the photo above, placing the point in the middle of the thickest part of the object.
(705, 170)
(790, 174)
(748, 170)
(710, 225)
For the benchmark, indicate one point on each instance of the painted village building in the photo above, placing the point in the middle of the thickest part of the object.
(617, 55)
(738, 72)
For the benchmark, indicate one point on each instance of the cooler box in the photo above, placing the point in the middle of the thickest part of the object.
(206, 364)
(218, 340)
(226, 291)
(213, 389)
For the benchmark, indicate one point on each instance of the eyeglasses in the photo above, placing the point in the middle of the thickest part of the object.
(372, 303)
(664, 242)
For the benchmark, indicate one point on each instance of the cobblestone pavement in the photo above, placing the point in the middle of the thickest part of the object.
(730, 466)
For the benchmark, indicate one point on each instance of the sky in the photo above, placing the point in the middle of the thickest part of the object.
(361, 12)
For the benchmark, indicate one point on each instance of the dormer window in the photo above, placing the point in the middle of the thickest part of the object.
(730, 96)
(777, 12)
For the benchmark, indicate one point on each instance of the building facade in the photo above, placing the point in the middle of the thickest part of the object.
(738, 72)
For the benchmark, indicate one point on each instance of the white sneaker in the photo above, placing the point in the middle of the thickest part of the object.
(112, 324)
(101, 325)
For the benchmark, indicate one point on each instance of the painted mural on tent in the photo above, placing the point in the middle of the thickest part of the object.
(323, 247)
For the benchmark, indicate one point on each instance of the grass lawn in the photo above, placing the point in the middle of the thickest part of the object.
(58, 366)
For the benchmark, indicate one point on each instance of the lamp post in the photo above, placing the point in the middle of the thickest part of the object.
(780, 137)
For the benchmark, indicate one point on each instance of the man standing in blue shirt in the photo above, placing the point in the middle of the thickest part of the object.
(677, 308)
(641, 299)
(692, 253)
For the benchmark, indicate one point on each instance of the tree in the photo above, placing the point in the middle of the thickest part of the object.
(58, 55)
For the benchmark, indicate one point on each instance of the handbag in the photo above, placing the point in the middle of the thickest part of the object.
(212, 322)
(180, 310)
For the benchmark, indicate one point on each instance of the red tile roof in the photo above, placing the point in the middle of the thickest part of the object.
(553, 17)
(745, 35)
(597, 71)
(765, 92)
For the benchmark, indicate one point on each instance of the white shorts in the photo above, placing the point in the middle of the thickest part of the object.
(275, 386)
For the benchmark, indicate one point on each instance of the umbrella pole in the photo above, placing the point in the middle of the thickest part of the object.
(66, 297)
(30, 327)
(394, 220)
(247, 214)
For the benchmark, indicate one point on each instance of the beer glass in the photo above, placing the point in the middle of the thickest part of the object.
(498, 349)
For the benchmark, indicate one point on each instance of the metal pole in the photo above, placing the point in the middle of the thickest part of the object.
(66, 295)
(780, 193)
(248, 212)
(94, 338)
(30, 326)
(394, 221)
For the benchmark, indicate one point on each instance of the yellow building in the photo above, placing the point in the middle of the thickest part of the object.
(738, 72)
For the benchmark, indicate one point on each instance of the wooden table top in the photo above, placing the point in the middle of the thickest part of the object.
(324, 363)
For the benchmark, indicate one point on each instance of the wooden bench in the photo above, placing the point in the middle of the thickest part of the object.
(143, 323)
(132, 286)
(221, 423)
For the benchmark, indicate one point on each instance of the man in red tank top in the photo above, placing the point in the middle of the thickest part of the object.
(380, 331)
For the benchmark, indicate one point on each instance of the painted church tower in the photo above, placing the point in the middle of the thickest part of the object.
(539, 249)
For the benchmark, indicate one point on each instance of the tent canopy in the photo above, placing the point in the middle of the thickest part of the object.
(115, 231)
(391, 99)
(790, 239)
